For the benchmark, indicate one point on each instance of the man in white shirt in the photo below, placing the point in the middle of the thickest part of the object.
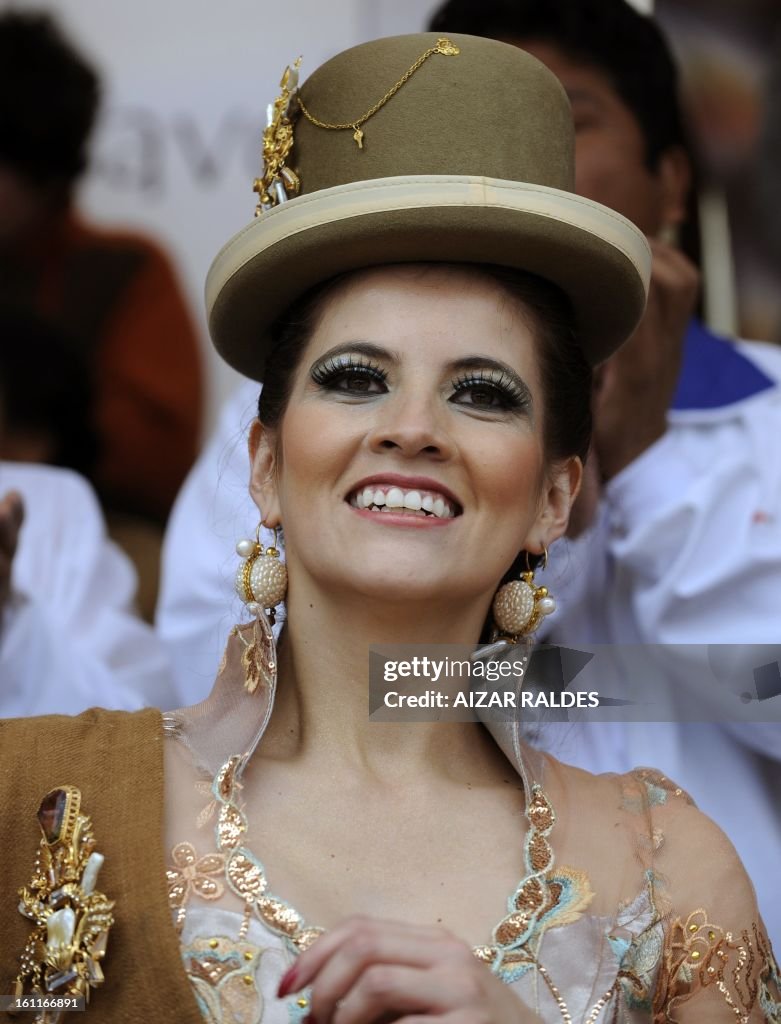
(69, 637)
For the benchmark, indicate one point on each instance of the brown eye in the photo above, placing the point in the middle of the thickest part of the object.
(488, 395)
(349, 377)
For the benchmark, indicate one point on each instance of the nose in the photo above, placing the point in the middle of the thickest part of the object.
(412, 424)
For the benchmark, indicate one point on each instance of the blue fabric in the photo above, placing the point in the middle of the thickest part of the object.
(715, 373)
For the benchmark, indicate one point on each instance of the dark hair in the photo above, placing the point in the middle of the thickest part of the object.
(48, 100)
(45, 388)
(565, 374)
(610, 35)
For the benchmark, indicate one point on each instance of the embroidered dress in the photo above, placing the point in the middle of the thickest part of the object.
(631, 905)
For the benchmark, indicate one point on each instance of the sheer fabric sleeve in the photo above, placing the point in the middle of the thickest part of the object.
(716, 963)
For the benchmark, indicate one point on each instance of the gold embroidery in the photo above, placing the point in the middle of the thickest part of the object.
(223, 989)
(191, 874)
(698, 953)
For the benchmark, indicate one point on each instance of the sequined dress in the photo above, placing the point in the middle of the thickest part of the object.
(631, 905)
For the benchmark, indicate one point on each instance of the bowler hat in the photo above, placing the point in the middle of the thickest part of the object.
(421, 149)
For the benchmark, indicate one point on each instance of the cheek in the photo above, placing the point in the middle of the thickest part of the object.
(512, 474)
(314, 446)
(608, 172)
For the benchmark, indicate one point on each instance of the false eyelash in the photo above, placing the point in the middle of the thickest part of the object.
(337, 366)
(511, 396)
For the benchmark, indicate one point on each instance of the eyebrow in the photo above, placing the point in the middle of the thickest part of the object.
(476, 362)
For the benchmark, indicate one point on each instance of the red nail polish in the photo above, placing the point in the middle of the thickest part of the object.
(287, 984)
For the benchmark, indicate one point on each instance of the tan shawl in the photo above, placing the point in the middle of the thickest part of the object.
(116, 760)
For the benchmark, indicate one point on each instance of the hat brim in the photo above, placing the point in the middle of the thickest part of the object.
(596, 256)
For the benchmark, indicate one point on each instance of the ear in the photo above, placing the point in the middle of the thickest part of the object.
(263, 473)
(562, 487)
(674, 173)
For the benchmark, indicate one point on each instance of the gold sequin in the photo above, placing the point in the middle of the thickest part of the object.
(246, 876)
(231, 827)
(279, 915)
(191, 874)
(540, 853)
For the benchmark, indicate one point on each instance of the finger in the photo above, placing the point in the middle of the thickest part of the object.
(11, 518)
(375, 968)
(357, 938)
(387, 991)
(671, 266)
(362, 951)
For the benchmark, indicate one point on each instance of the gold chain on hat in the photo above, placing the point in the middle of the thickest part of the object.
(443, 46)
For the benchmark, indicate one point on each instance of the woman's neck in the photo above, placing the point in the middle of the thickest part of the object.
(322, 704)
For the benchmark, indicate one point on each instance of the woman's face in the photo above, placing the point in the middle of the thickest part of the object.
(409, 462)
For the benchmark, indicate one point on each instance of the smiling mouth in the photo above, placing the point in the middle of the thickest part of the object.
(414, 502)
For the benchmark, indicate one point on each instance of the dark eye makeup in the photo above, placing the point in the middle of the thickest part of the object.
(478, 387)
(490, 390)
(349, 374)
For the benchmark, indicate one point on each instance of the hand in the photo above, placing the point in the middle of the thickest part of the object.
(634, 388)
(11, 517)
(367, 970)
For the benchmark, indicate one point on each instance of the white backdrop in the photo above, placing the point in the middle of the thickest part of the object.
(186, 86)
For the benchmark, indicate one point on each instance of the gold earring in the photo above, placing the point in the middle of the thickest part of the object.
(261, 579)
(520, 605)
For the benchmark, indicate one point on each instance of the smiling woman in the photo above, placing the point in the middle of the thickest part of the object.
(423, 298)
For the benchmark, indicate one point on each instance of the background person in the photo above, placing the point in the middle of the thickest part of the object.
(70, 637)
(113, 294)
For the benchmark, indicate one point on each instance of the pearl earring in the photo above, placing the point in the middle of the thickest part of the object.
(520, 605)
(261, 579)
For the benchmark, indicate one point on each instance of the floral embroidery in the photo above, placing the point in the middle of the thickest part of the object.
(190, 874)
(223, 973)
(698, 953)
(571, 893)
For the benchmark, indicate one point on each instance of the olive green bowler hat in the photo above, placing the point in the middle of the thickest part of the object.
(418, 149)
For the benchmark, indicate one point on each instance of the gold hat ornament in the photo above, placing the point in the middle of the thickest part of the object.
(422, 149)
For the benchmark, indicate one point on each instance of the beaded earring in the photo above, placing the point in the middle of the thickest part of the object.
(261, 579)
(520, 605)
(261, 582)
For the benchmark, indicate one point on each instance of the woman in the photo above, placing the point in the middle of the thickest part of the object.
(423, 318)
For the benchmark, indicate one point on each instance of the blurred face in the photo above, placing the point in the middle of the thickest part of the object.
(409, 462)
(610, 149)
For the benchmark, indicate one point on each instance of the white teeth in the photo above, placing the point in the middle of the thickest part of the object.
(396, 498)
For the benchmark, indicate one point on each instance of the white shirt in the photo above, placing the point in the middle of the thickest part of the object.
(686, 548)
(69, 638)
